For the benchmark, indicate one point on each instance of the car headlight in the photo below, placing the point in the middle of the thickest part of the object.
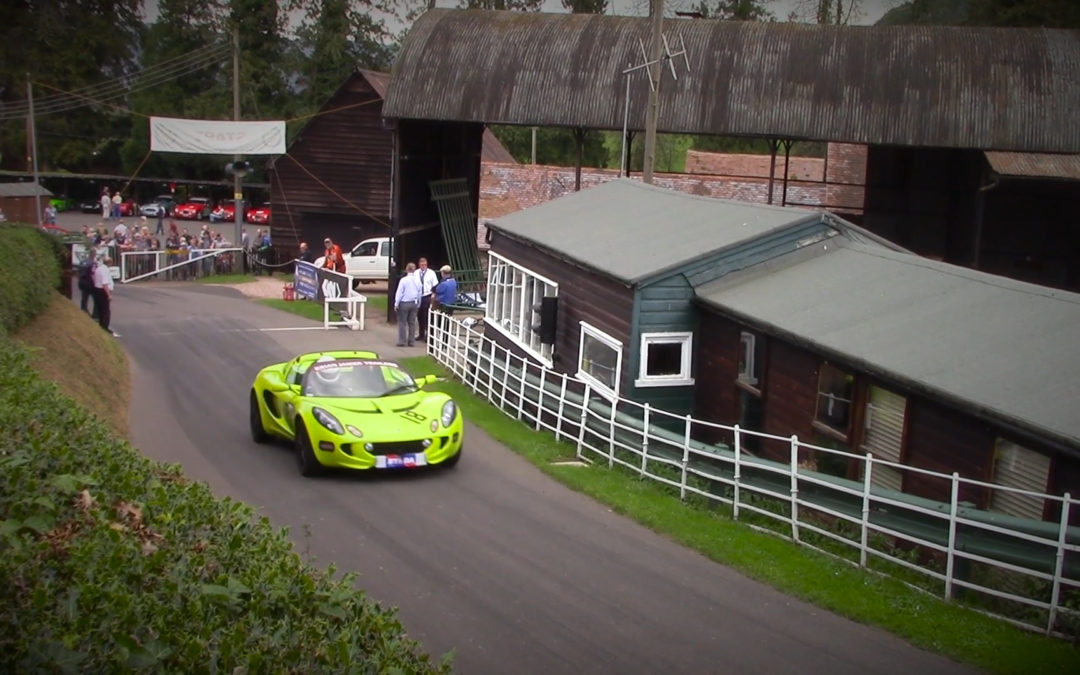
(354, 431)
(449, 412)
(328, 420)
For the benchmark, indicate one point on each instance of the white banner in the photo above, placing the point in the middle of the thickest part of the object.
(210, 137)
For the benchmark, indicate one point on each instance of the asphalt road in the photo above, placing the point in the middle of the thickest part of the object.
(493, 560)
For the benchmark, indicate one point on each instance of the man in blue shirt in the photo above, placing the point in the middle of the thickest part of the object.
(406, 303)
(446, 290)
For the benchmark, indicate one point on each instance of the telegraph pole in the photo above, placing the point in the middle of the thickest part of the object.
(33, 148)
(652, 112)
(238, 195)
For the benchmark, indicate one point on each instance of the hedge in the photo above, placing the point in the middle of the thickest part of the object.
(110, 562)
(29, 275)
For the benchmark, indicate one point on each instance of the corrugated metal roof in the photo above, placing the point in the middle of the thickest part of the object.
(632, 231)
(938, 86)
(983, 341)
(23, 190)
(1035, 165)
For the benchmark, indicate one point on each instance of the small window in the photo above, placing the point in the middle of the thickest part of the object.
(600, 359)
(385, 249)
(750, 361)
(515, 296)
(1018, 467)
(835, 389)
(368, 249)
(665, 360)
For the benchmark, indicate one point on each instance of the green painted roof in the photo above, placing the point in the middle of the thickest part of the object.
(981, 341)
(633, 231)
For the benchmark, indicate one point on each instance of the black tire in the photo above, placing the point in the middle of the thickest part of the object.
(305, 456)
(452, 462)
(258, 433)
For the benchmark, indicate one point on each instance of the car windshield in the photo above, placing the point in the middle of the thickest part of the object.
(356, 378)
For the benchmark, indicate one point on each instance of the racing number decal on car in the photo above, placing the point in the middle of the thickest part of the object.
(414, 417)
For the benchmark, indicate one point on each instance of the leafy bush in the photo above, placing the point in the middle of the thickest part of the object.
(111, 562)
(29, 275)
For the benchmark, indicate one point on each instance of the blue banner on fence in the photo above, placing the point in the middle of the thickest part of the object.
(306, 281)
(315, 283)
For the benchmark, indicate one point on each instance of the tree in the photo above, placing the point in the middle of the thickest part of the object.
(335, 40)
(65, 45)
(585, 6)
(188, 34)
(734, 10)
(825, 12)
(1044, 13)
(555, 146)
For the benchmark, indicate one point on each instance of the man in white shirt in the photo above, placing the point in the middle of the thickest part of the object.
(103, 288)
(428, 281)
(406, 302)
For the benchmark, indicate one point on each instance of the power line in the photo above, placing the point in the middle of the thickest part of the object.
(145, 79)
(118, 84)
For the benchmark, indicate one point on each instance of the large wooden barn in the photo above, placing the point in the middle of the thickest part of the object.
(336, 179)
(928, 101)
(794, 322)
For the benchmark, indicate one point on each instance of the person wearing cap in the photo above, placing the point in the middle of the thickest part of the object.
(334, 258)
(446, 290)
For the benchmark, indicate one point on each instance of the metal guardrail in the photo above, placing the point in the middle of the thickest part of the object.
(991, 559)
(179, 265)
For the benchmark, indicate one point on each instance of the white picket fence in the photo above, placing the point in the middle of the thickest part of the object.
(1024, 571)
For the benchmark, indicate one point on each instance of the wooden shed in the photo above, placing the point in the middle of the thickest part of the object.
(915, 361)
(623, 260)
(795, 322)
(20, 201)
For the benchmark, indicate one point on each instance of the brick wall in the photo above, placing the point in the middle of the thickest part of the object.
(505, 188)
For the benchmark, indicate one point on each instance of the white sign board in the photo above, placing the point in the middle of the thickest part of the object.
(212, 137)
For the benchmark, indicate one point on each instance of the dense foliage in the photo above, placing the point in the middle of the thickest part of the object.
(30, 275)
(111, 563)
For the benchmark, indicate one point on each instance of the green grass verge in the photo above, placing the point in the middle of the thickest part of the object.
(226, 279)
(376, 304)
(947, 628)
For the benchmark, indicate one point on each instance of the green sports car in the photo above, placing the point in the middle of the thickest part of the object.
(353, 410)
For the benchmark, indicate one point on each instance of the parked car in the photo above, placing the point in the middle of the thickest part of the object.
(225, 212)
(128, 208)
(90, 206)
(62, 204)
(151, 209)
(258, 215)
(367, 262)
(195, 208)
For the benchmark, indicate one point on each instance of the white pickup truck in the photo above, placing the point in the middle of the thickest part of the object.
(368, 261)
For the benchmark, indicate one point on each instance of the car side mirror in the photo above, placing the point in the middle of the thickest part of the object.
(426, 379)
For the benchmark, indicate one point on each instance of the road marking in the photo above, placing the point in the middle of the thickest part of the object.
(244, 330)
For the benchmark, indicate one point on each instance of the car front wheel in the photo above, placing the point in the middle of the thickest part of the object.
(305, 456)
(258, 433)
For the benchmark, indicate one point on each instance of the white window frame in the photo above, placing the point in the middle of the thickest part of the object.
(510, 312)
(601, 336)
(684, 377)
(748, 345)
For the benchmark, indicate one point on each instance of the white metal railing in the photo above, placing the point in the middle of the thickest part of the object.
(1023, 568)
(182, 265)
